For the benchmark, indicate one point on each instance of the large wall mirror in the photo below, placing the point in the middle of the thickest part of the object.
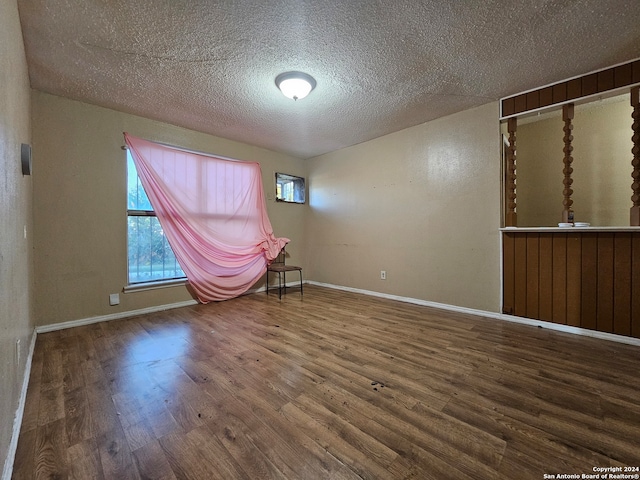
(601, 164)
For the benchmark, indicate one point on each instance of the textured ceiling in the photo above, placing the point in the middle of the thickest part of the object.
(380, 65)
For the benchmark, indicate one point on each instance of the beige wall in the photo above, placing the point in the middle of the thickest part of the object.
(15, 216)
(601, 166)
(422, 204)
(80, 205)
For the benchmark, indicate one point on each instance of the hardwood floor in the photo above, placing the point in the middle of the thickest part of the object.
(334, 385)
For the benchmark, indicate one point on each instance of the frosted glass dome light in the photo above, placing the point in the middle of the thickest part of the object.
(295, 85)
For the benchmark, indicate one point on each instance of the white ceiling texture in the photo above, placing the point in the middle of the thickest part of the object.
(380, 65)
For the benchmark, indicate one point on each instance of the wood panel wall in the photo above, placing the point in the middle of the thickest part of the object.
(576, 88)
(584, 279)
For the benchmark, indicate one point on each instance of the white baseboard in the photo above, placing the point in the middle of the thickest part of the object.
(482, 313)
(132, 313)
(7, 471)
(112, 316)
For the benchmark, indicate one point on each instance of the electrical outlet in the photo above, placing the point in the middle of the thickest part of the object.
(383, 274)
(114, 299)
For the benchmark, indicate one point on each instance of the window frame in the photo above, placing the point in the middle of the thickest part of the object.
(299, 187)
(131, 212)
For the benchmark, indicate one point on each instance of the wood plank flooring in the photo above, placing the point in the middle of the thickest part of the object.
(333, 385)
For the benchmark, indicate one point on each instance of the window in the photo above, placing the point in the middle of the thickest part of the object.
(289, 188)
(150, 258)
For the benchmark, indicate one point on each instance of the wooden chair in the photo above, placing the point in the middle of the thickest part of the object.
(281, 268)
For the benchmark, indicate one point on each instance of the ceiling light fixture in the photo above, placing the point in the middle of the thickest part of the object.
(295, 85)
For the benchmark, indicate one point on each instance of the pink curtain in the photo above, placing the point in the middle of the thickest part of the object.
(213, 213)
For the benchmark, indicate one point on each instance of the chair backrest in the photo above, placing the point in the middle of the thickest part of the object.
(280, 259)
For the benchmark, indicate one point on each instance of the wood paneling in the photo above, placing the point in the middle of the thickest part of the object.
(533, 100)
(605, 80)
(622, 284)
(559, 278)
(546, 277)
(622, 75)
(635, 71)
(533, 279)
(635, 286)
(574, 279)
(605, 283)
(559, 93)
(583, 279)
(508, 107)
(590, 84)
(508, 273)
(520, 103)
(520, 276)
(589, 300)
(546, 96)
(576, 88)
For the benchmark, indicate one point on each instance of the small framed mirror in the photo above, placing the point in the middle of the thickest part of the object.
(290, 189)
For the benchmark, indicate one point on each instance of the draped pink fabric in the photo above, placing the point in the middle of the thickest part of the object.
(213, 213)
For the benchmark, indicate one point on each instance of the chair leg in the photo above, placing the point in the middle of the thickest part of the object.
(300, 282)
(280, 285)
(267, 288)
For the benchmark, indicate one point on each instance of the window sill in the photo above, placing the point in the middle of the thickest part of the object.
(141, 287)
